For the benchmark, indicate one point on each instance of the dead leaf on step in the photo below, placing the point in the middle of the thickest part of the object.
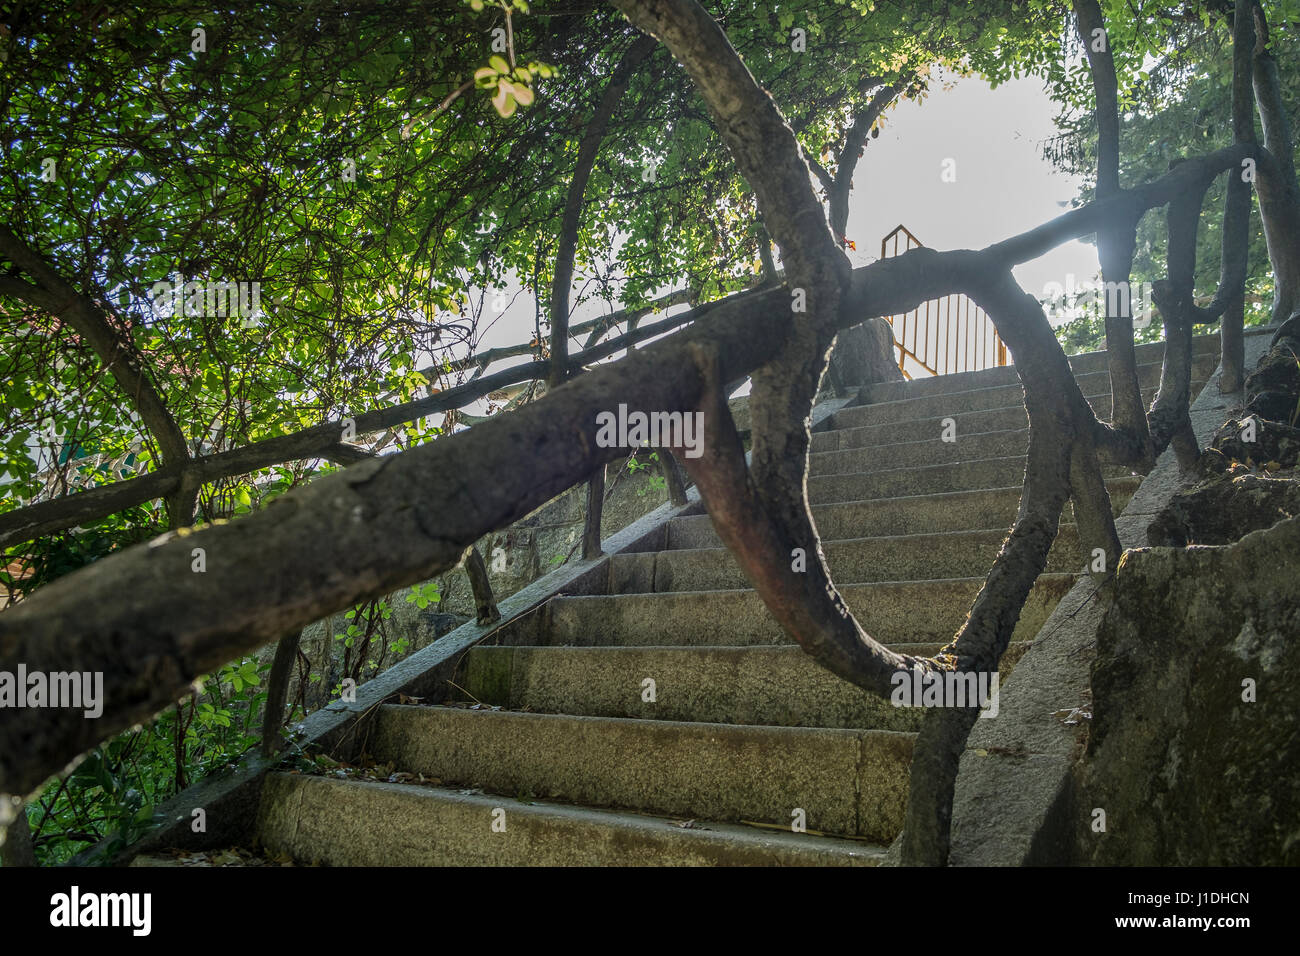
(1073, 716)
(405, 699)
(1008, 751)
(779, 826)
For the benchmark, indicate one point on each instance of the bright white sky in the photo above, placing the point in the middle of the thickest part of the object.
(1003, 186)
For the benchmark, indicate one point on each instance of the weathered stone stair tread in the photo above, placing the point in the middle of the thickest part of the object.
(866, 432)
(929, 479)
(1093, 385)
(778, 685)
(850, 782)
(356, 823)
(892, 612)
(910, 557)
(910, 514)
(920, 453)
(1084, 363)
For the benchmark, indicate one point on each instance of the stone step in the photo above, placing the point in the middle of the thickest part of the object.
(918, 454)
(913, 407)
(359, 823)
(744, 725)
(777, 685)
(893, 612)
(927, 480)
(1083, 364)
(915, 514)
(932, 427)
(913, 557)
(847, 782)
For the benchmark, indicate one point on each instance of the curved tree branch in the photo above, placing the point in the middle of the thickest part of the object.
(1059, 416)
(111, 341)
(572, 216)
(1115, 240)
(1278, 189)
(847, 160)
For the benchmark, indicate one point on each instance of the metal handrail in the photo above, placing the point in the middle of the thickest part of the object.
(956, 335)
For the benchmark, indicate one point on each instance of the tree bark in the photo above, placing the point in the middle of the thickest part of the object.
(1170, 421)
(1236, 207)
(572, 216)
(1279, 192)
(277, 691)
(1115, 240)
(16, 849)
(674, 478)
(847, 161)
(847, 370)
(595, 512)
(481, 585)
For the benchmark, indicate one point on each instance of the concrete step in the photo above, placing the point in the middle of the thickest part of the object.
(848, 782)
(927, 480)
(908, 405)
(915, 514)
(931, 427)
(744, 726)
(893, 612)
(918, 454)
(359, 823)
(777, 685)
(913, 557)
(1083, 364)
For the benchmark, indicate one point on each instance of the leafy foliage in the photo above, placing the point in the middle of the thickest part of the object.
(380, 168)
(1175, 67)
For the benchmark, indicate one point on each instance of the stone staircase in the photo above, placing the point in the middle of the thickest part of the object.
(743, 735)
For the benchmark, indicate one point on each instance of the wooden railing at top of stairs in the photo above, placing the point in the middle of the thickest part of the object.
(948, 335)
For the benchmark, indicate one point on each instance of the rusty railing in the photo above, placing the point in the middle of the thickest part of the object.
(947, 335)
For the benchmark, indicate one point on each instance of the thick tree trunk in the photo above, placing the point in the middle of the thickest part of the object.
(674, 478)
(861, 355)
(1115, 240)
(277, 691)
(1279, 193)
(572, 217)
(1232, 342)
(485, 604)
(1236, 207)
(595, 512)
(17, 849)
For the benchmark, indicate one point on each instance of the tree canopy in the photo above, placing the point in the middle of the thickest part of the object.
(375, 173)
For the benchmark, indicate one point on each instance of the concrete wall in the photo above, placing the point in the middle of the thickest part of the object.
(1016, 802)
